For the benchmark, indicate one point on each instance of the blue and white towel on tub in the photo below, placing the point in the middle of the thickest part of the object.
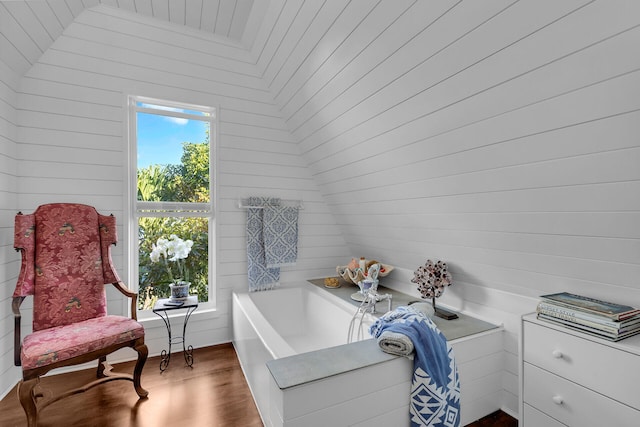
(435, 387)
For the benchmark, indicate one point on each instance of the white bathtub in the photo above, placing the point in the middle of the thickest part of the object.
(287, 321)
(294, 320)
(299, 331)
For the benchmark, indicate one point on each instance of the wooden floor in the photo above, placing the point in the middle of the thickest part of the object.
(212, 394)
(497, 419)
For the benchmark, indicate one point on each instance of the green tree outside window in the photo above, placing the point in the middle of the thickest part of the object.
(185, 182)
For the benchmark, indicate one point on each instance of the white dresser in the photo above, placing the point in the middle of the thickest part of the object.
(574, 379)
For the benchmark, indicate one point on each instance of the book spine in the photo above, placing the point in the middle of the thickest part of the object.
(579, 321)
(589, 332)
(573, 314)
(582, 309)
(629, 315)
(596, 307)
(578, 326)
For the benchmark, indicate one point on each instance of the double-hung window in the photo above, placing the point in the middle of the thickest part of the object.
(171, 187)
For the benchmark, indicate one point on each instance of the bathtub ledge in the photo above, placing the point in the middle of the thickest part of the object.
(307, 367)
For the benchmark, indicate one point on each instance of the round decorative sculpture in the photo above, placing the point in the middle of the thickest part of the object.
(432, 278)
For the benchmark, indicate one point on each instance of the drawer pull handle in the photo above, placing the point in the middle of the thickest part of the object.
(557, 354)
(558, 400)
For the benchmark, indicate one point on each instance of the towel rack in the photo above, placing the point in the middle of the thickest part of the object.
(242, 204)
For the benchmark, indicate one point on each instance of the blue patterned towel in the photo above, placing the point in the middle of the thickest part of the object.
(280, 228)
(435, 387)
(260, 276)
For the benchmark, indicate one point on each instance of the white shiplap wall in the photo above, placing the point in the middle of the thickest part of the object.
(11, 69)
(72, 142)
(9, 262)
(500, 136)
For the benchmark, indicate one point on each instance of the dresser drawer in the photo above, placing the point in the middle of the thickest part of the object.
(596, 366)
(535, 418)
(572, 404)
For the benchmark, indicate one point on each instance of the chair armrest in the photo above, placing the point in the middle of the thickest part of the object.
(124, 290)
(17, 334)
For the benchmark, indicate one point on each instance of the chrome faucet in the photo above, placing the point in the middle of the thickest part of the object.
(372, 297)
(369, 288)
(368, 305)
(381, 297)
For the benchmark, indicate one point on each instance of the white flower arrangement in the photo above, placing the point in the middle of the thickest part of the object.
(174, 250)
(432, 278)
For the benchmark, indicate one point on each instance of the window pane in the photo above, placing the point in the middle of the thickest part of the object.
(154, 277)
(172, 159)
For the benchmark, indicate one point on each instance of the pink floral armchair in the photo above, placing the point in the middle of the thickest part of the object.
(66, 261)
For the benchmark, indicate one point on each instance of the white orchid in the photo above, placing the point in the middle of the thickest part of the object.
(175, 250)
(180, 248)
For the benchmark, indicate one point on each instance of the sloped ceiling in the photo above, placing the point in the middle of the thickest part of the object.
(499, 135)
(31, 26)
(459, 130)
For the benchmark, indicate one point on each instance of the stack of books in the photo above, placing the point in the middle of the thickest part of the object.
(600, 318)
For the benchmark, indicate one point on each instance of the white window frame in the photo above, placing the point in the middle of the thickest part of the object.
(139, 209)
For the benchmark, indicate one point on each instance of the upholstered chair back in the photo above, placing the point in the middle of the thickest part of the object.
(66, 262)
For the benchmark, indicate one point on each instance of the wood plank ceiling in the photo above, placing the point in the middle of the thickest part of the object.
(40, 22)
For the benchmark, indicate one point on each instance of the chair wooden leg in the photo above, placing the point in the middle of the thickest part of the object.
(143, 352)
(101, 367)
(27, 396)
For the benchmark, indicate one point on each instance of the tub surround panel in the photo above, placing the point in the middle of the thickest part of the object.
(378, 394)
(350, 398)
(355, 381)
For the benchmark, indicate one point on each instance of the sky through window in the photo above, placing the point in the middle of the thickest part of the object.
(160, 137)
